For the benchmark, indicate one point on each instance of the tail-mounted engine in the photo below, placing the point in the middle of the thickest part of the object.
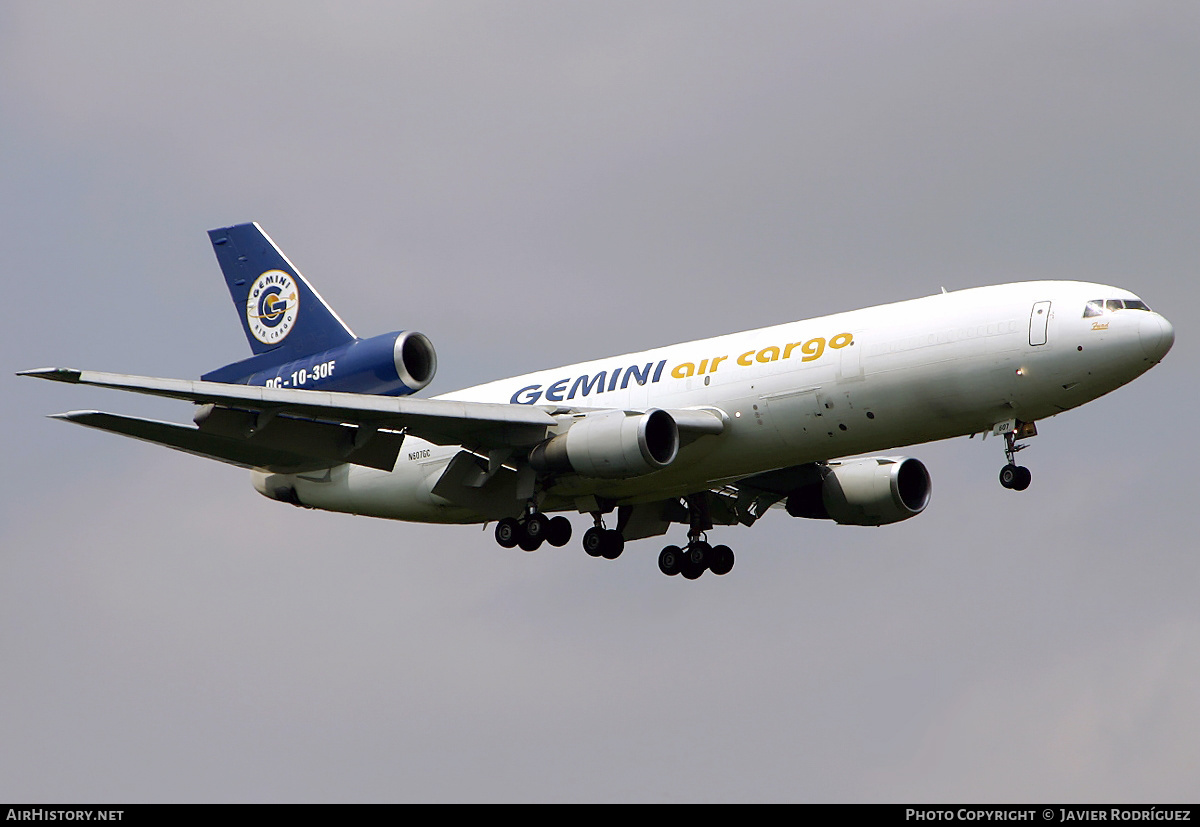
(871, 491)
(394, 364)
(610, 445)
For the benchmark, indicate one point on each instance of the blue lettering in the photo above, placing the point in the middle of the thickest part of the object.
(582, 381)
(533, 394)
(640, 375)
(658, 370)
(612, 383)
(554, 392)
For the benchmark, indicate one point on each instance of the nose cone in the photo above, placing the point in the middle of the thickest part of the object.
(1157, 335)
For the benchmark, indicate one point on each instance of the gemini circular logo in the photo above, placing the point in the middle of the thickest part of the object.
(271, 306)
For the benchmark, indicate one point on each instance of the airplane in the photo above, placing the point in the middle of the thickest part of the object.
(706, 433)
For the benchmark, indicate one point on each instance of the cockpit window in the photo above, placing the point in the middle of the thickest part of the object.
(1097, 307)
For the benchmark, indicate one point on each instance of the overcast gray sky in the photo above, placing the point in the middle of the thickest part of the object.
(532, 184)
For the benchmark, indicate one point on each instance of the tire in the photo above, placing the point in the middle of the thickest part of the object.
(537, 525)
(722, 560)
(508, 532)
(1008, 475)
(612, 544)
(593, 541)
(559, 533)
(1023, 478)
(669, 560)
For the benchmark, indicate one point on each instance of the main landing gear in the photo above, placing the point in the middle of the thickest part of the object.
(692, 560)
(534, 529)
(1013, 476)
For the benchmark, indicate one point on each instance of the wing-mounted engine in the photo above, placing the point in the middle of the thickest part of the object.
(872, 491)
(394, 364)
(610, 445)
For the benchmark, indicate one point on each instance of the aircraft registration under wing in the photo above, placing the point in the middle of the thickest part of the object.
(704, 433)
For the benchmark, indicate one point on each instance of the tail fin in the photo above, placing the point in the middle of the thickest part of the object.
(280, 311)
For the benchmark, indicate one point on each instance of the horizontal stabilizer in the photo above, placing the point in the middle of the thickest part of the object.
(191, 441)
(281, 444)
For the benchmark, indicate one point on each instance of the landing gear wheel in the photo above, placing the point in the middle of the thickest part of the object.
(508, 532)
(1015, 477)
(593, 541)
(611, 544)
(537, 525)
(696, 558)
(722, 560)
(528, 543)
(559, 532)
(669, 560)
(1008, 475)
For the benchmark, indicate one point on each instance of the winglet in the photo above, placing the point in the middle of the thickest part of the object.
(55, 374)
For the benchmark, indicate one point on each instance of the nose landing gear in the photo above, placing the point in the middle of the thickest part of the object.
(1013, 476)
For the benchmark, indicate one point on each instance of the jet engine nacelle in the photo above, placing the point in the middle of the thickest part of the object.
(394, 364)
(610, 445)
(871, 491)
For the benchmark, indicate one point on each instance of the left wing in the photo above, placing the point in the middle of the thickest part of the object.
(284, 429)
(287, 430)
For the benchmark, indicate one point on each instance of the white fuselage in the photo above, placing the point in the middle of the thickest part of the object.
(850, 383)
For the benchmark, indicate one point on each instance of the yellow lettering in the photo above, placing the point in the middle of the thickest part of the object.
(813, 348)
(716, 362)
(768, 354)
(841, 340)
(744, 359)
(683, 371)
(703, 366)
(787, 351)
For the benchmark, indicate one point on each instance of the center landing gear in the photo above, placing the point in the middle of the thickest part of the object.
(697, 555)
(599, 541)
(1013, 476)
(536, 528)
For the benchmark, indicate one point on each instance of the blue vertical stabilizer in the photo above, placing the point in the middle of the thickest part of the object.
(280, 312)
